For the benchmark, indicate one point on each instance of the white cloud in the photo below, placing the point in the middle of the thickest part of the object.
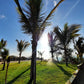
(54, 3)
(2, 16)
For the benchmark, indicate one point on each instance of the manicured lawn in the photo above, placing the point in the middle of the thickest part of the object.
(46, 73)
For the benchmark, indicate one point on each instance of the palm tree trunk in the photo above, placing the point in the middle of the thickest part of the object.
(65, 53)
(19, 57)
(52, 52)
(33, 61)
(0, 52)
(81, 58)
(3, 65)
(6, 73)
(41, 58)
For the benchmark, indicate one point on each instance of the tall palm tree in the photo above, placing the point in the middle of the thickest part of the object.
(52, 39)
(79, 46)
(34, 23)
(4, 54)
(21, 46)
(66, 35)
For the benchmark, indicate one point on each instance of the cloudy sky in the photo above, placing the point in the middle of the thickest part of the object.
(71, 11)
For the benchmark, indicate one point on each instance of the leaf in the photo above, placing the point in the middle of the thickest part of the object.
(50, 14)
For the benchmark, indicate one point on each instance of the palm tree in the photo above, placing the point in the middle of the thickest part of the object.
(4, 54)
(21, 46)
(41, 53)
(52, 39)
(79, 46)
(2, 44)
(34, 23)
(65, 36)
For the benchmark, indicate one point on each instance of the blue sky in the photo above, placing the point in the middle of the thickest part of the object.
(71, 11)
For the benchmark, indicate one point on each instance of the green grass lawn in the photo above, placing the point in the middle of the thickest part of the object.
(46, 73)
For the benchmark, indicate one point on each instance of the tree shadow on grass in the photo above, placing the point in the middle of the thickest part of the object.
(10, 82)
(72, 67)
(1, 70)
(30, 81)
(63, 70)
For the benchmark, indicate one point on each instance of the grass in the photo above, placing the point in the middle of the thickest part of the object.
(46, 73)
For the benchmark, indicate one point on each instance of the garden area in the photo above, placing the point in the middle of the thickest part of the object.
(55, 73)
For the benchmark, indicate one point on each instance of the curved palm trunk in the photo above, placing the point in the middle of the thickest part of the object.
(65, 53)
(6, 73)
(19, 57)
(3, 65)
(33, 62)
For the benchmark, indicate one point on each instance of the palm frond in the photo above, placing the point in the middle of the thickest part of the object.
(51, 39)
(3, 43)
(4, 53)
(68, 33)
(66, 27)
(26, 44)
(32, 19)
(23, 18)
(17, 41)
(51, 12)
(75, 35)
(79, 45)
(72, 32)
(59, 34)
(74, 27)
(22, 45)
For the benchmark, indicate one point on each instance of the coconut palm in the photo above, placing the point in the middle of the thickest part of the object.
(21, 46)
(34, 23)
(4, 54)
(52, 39)
(66, 35)
(79, 46)
(54, 44)
(2, 44)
